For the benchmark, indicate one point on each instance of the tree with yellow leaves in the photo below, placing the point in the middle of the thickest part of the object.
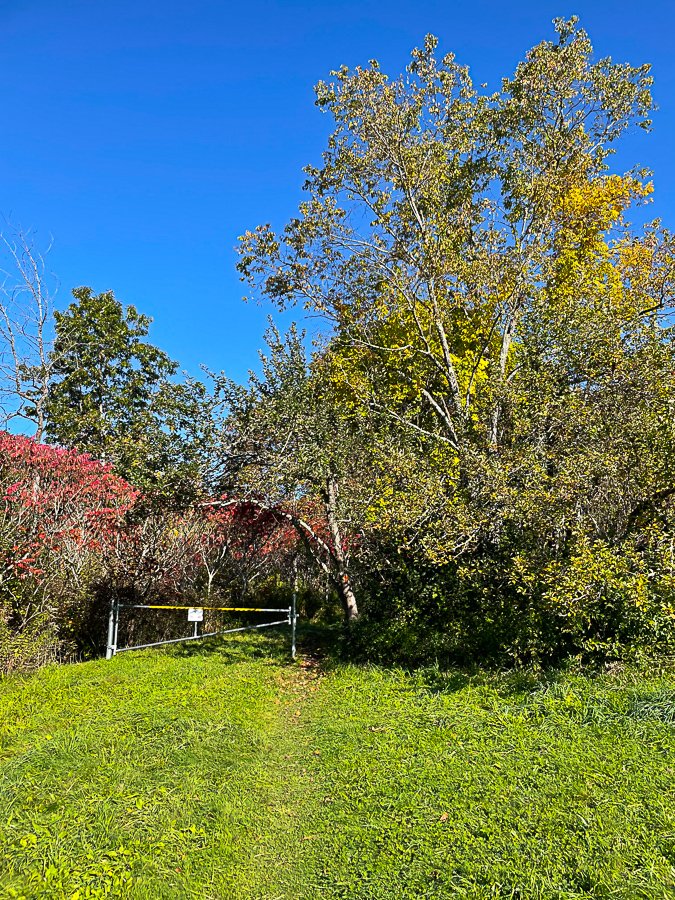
(486, 298)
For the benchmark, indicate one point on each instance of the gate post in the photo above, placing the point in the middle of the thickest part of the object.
(113, 619)
(294, 605)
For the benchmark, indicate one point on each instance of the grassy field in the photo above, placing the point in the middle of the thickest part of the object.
(224, 771)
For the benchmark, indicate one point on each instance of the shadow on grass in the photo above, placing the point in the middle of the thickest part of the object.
(319, 645)
(234, 648)
(312, 640)
(507, 683)
(327, 647)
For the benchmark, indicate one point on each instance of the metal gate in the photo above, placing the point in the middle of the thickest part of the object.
(290, 618)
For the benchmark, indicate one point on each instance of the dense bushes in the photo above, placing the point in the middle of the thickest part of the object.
(60, 514)
(211, 554)
(595, 602)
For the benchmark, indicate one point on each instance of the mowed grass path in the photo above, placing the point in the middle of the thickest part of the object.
(224, 771)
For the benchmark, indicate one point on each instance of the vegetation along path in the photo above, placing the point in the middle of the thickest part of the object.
(224, 771)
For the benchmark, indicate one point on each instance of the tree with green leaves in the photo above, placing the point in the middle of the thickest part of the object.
(113, 394)
(296, 451)
(106, 378)
(471, 257)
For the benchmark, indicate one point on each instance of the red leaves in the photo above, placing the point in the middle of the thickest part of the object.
(55, 502)
(62, 512)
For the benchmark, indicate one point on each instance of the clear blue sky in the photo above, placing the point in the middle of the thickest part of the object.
(145, 136)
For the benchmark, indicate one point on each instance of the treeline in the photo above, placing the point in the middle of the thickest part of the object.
(476, 459)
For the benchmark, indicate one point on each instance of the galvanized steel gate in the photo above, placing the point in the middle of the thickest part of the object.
(290, 618)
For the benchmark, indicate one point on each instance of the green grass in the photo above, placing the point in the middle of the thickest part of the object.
(224, 771)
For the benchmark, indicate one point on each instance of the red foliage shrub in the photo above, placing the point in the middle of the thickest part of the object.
(60, 514)
(56, 503)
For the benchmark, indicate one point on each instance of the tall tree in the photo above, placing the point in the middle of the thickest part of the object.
(470, 254)
(114, 395)
(432, 225)
(107, 381)
(296, 452)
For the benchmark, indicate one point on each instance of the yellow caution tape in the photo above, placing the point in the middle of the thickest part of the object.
(222, 608)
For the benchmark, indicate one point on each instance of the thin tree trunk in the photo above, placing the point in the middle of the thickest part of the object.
(341, 578)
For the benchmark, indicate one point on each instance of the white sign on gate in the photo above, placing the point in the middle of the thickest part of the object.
(195, 614)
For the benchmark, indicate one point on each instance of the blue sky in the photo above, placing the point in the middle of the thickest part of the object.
(145, 136)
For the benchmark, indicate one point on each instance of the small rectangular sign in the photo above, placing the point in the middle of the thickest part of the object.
(195, 614)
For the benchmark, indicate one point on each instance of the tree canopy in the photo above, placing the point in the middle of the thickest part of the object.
(113, 394)
(485, 296)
